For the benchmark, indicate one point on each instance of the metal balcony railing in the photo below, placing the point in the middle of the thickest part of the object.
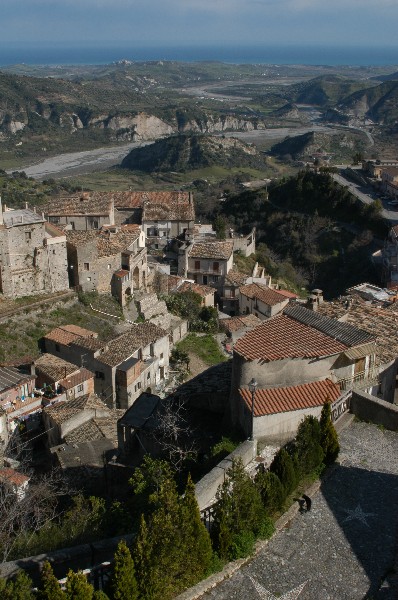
(360, 380)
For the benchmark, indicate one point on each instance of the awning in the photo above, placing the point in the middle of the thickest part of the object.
(360, 351)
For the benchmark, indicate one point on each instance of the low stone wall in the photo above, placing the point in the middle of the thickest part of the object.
(369, 408)
(81, 557)
(206, 488)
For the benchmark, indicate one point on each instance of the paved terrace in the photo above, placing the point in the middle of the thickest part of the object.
(344, 548)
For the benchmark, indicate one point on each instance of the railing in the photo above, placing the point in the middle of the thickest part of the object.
(360, 380)
(341, 406)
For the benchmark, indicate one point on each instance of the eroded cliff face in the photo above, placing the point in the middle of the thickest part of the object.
(124, 126)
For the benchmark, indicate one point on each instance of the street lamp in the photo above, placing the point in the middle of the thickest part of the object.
(252, 387)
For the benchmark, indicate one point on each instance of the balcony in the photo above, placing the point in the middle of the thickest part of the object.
(360, 380)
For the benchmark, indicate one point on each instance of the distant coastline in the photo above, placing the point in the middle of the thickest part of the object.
(57, 54)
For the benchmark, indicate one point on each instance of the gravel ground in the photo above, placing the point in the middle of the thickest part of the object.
(344, 548)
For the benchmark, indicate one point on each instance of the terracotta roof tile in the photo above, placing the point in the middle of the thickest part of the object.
(78, 205)
(236, 278)
(107, 242)
(8, 475)
(285, 399)
(212, 250)
(137, 199)
(76, 379)
(168, 211)
(63, 411)
(283, 337)
(287, 294)
(66, 334)
(262, 292)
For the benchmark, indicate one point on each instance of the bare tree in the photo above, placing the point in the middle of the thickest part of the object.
(173, 433)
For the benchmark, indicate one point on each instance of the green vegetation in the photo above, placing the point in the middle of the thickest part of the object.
(204, 346)
(328, 436)
(188, 306)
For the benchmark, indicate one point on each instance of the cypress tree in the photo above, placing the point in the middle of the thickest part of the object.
(20, 588)
(196, 539)
(271, 491)
(329, 438)
(50, 588)
(123, 584)
(283, 467)
(308, 445)
(77, 587)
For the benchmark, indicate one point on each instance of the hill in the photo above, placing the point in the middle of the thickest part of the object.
(325, 91)
(380, 104)
(189, 152)
(308, 145)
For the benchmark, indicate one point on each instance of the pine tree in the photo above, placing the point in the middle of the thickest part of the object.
(123, 584)
(308, 445)
(19, 588)
(77, 587)
(329, 438)
(283, 467)
(50, 588)
(100, 595)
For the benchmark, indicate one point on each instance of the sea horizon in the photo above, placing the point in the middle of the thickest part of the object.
(92, 54)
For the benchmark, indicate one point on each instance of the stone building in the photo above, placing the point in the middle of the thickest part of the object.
(124, 367)
(32, 255)
(58, 378)
(167, 216)
(17, 397)
(207, 262)
(113, 259)
(81, 213)
(293, 349)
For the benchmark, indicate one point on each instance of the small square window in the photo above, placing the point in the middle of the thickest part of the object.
(86, 266)
(148, 376)
(80, 388)
(28, 236)
(109, 266)
(88, 278)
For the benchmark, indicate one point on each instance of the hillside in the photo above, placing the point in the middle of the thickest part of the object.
(189, 152)
(324, 91)
(306, 146)
(380, 103)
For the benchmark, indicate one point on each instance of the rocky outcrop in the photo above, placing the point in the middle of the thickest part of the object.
(215, 124)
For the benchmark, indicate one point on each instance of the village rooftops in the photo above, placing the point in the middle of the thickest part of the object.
(381, 323)
(13, 478)
(67, 334)
(108, 243)
(123, 347)
(97, 428)
(263, 293)
(82, 205)
(75, 379)
(212, 250)
(285, 399)
(299, 333)
(236, 278)
(23, 216)
(54, 367)
(168, 211)
(65, 410)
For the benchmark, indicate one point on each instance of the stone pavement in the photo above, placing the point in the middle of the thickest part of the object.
(344, 548)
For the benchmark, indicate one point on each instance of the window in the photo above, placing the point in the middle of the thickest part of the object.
(54, 220)
(88, 278)
(72, 225)
(137, 386)
(95, 224)
(148, 376)
(80, 388)
(99, 375)
(161, 356)
(109, 266)
(216, 266)
(28, 236)
(152, 349)
(197, 265)
(216, 278)
(86, 266)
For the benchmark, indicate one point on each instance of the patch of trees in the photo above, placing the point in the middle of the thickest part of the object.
(173, 549)
(188, 305)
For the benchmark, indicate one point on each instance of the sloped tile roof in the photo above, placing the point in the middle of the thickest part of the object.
(263, 293)
(236, 323)
(15, 478)
(78, 205)
(202, 290)
(137, 199)
(345, 333)
(121, 348)
(283, 337)
(212, 250)
(54, 367)
(236, 278)
(76, 379)
(107, 243)
(168, 211)
(13, 376)
(285, 399)
(63, 411)
(287, 294)
(66, 334)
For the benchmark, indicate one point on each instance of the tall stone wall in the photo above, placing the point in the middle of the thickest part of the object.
(373, 409)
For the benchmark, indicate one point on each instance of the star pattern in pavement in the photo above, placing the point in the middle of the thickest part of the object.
(358, 515)
(266, 595)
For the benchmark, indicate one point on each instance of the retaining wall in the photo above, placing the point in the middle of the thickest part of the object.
(370, 408)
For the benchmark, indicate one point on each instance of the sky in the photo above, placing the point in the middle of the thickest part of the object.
(200, 22)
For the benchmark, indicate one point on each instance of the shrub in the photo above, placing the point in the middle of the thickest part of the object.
(283, 467)
(329, 438)
(308, 445)
(271, 490)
